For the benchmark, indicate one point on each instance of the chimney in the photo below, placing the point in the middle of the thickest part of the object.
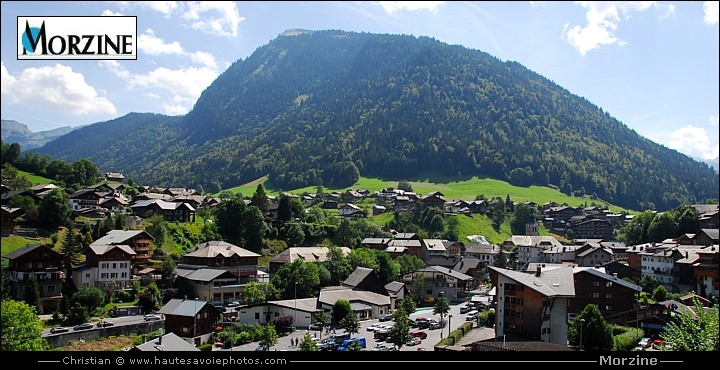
(537, 273)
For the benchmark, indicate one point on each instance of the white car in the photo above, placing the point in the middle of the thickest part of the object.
(152, 317)
(373, 327)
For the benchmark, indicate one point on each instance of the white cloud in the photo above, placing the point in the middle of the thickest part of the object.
(220, 18)
(215, 17)
(711, 12)
(152, 45)
(176, 89)
(694, 141)
(110, 13)
(392, 7)
(603, 20)
(57, 88)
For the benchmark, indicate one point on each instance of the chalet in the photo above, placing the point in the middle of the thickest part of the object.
(114, 176)
(592, 228)
(9, 220)
(222, 255)
(348, 209)
(138, 240)
(434, 199)
(307, 254)
(610, 293)
(169, 342)
(191, 319)
(170, 211)
(437, 279)
(706, 272)
(39, 262)
(107, 267)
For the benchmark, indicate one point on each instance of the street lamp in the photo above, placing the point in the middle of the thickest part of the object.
(441, 302)
(449, 326)
(582, 323)
(295, 311)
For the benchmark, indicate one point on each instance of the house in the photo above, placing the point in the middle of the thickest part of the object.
(533, 305)
(707, 237)
(432, 280)
(138, 240)
(433, 199)
(485, 252)
(216, 286)
(529, 248)
(169, 342)
(9, 219)
(610, 293)
(170, 211)
(592, 254)
(114, 176)
(193, 320)
(307, 254)
(378, 210)
(217, 254)
(107, 267)
(592, 228)
(39, 262)
(348, 209)
(706, 272)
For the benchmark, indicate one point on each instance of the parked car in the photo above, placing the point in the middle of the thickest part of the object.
(414, 341)
(644, 342)
(315, 327)
(152, 317)
(373, 327)
(233, 304)
(418, 334)
(386, 317)
(434, 325)
(59, 330)
(84, 326)
(104, 324)
(472, 315)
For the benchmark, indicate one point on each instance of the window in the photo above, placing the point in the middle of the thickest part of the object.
(608, 284)
(596, 283)
(596, 295)
(608, 295)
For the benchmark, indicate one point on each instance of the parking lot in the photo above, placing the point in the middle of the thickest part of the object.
(433, 335)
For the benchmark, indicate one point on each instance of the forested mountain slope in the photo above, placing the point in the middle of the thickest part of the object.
(331, 105)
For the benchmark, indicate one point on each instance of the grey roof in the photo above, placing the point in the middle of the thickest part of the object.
(714, 234)
(477, 247)
(593, 249)
(331, 295)
(454, 273)
(216, 248)
(21, 251)
(100, 249)
(182, 307)
(435, 244)
(608, 277)
(120, 236)
(164, 343)
(307, 254)
(557, 282)
(357, 276)
(203, 274)
(394, 286)
(404, 243)
(302, 304)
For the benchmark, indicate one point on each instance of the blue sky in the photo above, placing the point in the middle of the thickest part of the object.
(652, 65)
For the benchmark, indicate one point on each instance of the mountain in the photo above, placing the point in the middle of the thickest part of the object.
(16, 132)
(315, 107)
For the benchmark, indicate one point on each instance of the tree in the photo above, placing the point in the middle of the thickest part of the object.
(295, 234)
(256, 292)
(350, 323)
(404, 185)
(441, 307)
(596, 332)
(54, 209)
(660, 293)
(90, 298)
(71, 251)
(695, 330)
(167, 272)
(308, 343)
(284, 213)
(260, 199)
(254, 229)
(31, 293)
(229, 218)
(400, 332)
(21, 328)
(268, 337)
(408, 305)
(337, 265)
(341, 308)
(321, 318)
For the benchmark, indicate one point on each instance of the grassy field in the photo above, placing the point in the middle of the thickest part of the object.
(34, 179)
(453, 189)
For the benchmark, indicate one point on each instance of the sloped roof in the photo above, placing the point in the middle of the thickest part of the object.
(183, 307)
(608, 277)
(203, 274)
(100, 249)
(165, 343)
(332, 294)
(357, 276)
(120, 236)
(553, 283)
(24, 250)
(307, 254)
(216, 248)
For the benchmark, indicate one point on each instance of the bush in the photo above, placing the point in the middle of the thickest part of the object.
(125, 296)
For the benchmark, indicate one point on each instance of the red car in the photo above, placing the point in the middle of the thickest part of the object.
(657, 343)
